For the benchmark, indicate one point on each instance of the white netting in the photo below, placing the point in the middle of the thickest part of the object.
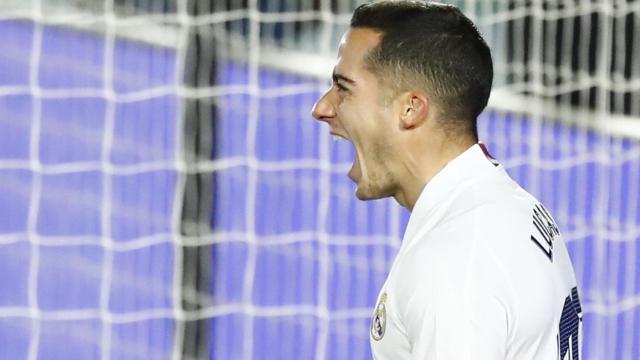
(126, 232)
(93, 181)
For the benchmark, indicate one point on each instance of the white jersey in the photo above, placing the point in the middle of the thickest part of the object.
(482, 273)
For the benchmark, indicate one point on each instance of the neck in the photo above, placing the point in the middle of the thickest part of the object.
(419, 167)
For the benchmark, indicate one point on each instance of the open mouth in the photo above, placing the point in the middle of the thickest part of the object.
(354, 173)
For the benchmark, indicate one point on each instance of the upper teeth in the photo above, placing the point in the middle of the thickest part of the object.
(338, 137)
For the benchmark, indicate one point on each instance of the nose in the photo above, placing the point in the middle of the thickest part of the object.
(323, 109)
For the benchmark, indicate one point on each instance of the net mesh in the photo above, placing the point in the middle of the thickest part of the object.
(166, 194)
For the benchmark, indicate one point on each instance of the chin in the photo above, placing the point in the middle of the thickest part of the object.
(368, 192)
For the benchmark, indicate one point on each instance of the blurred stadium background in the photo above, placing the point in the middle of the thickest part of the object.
(165, 194)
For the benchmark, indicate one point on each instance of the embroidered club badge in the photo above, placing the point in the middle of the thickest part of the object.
(379, 320)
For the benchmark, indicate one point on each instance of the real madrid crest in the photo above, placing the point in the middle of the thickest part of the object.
(379, 320)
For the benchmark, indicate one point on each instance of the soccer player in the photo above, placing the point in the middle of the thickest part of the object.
(482, 272)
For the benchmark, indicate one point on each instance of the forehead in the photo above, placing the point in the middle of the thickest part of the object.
(354, 46)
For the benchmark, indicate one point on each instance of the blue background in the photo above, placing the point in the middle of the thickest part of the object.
(285, 221)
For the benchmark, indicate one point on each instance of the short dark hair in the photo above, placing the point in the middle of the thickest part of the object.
(434, 47)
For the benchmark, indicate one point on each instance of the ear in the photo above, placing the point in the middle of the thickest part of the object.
(415, 107)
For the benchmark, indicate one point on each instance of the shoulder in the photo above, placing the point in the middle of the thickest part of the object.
(467, 252)
(493, 209)
(461, 254)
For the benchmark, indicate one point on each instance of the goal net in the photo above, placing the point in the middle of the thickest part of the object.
(165, 193)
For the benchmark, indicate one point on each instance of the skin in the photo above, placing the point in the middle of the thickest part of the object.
(399, 144)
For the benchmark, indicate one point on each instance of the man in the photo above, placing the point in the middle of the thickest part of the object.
(482, 272)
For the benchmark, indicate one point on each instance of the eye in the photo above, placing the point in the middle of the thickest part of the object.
(340, 87)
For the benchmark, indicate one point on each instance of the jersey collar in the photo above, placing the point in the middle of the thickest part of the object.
(472, 164)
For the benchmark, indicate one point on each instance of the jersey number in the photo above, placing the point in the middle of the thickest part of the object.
(569, 330)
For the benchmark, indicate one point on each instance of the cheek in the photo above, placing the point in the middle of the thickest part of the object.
(362, 118)
(356, 108)
(350, 115)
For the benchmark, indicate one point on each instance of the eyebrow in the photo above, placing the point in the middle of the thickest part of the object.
(336, 76)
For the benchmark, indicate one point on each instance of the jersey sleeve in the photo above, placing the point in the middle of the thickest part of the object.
(459, 309)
